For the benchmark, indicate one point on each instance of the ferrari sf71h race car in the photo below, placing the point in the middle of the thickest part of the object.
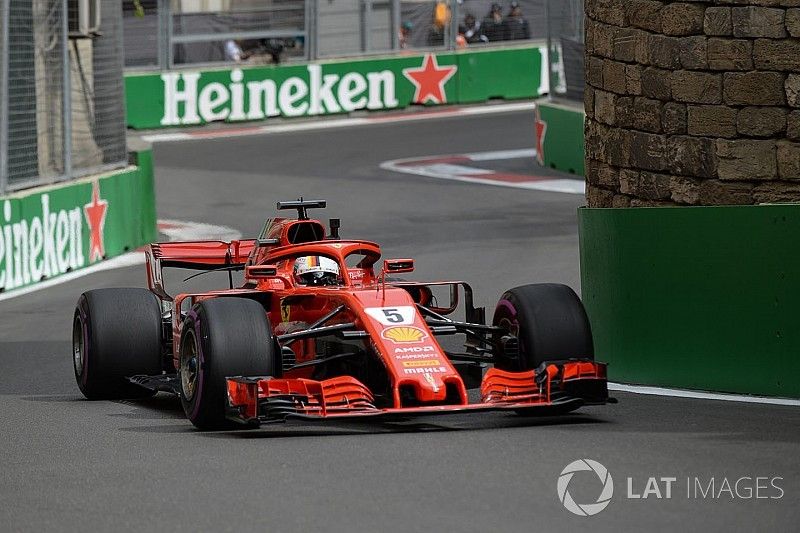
(314, 333)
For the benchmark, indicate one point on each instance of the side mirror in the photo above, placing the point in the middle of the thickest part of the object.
(397, 266)
(260, 271)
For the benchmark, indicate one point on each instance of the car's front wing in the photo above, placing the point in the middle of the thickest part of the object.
(552, 389)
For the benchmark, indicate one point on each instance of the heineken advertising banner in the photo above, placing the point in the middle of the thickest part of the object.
(50, 231)
(192, 97)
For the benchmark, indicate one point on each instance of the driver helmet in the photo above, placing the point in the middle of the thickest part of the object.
(315, 270)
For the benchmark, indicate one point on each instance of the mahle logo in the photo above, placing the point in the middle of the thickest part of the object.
(585, 509)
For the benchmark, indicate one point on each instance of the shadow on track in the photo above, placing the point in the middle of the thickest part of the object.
(168, 409)
(293, 429)
(301, 429)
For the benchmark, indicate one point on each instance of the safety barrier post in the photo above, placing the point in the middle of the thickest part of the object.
(5, 14)
(311, 30)
(164, 34)
(451, 45)
(66, 91)
(395, 26)
(366, 24)
(549, 52)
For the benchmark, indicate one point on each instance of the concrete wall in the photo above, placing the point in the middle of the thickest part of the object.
(692, 103)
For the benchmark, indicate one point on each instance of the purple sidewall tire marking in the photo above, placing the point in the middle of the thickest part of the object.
(198, 393)
(508, 305)
(85, 355)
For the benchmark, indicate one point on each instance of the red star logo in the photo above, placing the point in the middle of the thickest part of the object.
(541, 132)
(429, 80)
(95, 212)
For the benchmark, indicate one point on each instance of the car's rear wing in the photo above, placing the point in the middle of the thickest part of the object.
(195, 255)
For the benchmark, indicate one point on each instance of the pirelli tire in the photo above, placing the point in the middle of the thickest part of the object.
(222, 337)
(116, 333)
(549, 322)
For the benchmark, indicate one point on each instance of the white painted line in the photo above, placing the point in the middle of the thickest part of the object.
(180, 231)
(166, 137)
(313, 125)
(700, 395)
(498, 108)
(446, 169)
(524, 153)
(567, 186)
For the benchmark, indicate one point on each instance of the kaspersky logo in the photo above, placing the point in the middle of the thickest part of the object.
(313, 93)
(50, 242)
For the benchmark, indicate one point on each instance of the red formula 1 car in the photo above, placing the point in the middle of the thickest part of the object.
(316, 333)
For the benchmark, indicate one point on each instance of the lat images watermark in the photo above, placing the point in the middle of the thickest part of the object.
(662, 487)
(585, 509)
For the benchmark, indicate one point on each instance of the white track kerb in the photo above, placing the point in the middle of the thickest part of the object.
(700, 395)
(448, 167)
(173, 229)
(297, 125)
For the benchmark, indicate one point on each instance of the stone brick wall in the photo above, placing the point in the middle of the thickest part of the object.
(692, 102)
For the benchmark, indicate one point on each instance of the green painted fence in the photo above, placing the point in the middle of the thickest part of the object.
(696, 297)
(48, 231)
(559, 133)
(192, 97)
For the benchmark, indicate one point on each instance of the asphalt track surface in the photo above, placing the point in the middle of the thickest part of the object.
(67, 464)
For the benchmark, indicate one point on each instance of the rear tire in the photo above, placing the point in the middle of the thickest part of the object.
(549, 321)
(116, 333)
(221, 338)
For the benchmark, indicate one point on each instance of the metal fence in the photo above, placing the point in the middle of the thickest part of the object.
(565, 36)
(47, 133)
(165, 34)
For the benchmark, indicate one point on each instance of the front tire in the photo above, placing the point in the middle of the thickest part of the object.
(116, 333)
(550, 323)
(222, 337)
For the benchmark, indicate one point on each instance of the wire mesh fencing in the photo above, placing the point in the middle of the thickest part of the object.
(566, 47)
(98, 119)
(142, 33)
(349, 27)
(266, 30)
(61, 94)
(35, 143)
(4, 29)
(173, 33)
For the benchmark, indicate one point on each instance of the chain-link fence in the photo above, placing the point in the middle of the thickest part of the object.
(48, 133)
(565, 30)
(169, 33)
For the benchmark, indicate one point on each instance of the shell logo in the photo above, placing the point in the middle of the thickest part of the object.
(404, 334)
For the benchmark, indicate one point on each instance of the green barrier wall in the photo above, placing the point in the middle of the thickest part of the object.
(192, 97)
(559, 131)
(697, 297)
(48, 231)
